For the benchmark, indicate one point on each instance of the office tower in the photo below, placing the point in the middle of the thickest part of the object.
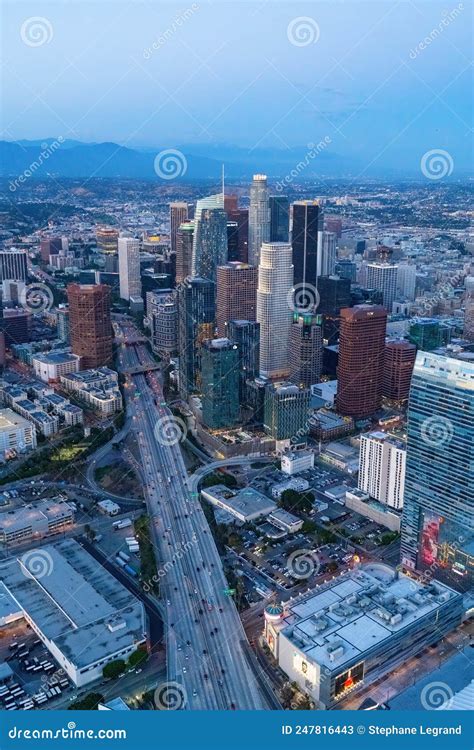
(259, 218)
(286, 412)
(328, 253)
(333, 224)
(154, 282)
(164, 322)
(246, 334)
(305, 240)
(346, 269)
(428, 334)
(107, 240)
(382, 460)
(399, 360)
(468, 329)
(306, 349)
(63, 326)
(233, 251)
(184, 251)
(236, 294)
(231, 203)
(178, 215)
(275, 281)
(334, 294)
(438, 517)
(361, 360)
(220, 383)
(279, 218)
(241, 217)
(50, 246)
(89, 324)
(383, 276)
(129, 267)
(16, 326)
(361, 296)
(196, 316)
(210, 237)
(406, 281)
(13, 265)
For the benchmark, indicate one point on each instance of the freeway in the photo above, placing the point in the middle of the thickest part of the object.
(207, 649)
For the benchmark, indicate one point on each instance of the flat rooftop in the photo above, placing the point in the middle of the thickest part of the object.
(9, 421)
(28, 515)
(245, 502)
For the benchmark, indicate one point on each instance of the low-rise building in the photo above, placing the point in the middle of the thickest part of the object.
(343, 456)
(297, 484)
(362, 503)
(246, 504)
(108, 507)
(98, 388)
(293, 463)
(327, 425)
(16, 434)
(49, 367)
(35, 521)
(285, 521)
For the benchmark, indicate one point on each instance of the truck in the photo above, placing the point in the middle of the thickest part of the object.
(120, 562)
(124, 556)
(131, 571)
(122, 524)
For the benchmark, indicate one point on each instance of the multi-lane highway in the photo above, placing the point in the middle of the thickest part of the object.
(207, 651)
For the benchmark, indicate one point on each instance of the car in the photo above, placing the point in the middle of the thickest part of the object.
(184, 670)
(194, 693)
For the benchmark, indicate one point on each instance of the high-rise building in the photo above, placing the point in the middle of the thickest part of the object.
(346, 269)
(399, 360)
(246, 334)
(107, 240)
(259, 218)
(210, 237)
(50, 246)
(279, 218)
(438, 513)
(196, 317)
(333, 224)
(286, 412)
(129, 267)
(178, 215)
(240, 234)
(220, 383)
(164, 322)
(233, 252)
(383, 276)
(382, 460)
(306, 349)
(306, 239)
(231, 203)
(184, 251)
(16, 326)
(334, 295)
(90, 324)
(236, 294)
(468, 329)
(406, 281)
(361, 360)
(328, 253)
(275, 281)
(13, 265)
(428, 334)
(63, 326)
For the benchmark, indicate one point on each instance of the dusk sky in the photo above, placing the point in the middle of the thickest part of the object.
(265, 74)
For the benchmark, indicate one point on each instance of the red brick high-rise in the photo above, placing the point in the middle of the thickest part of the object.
(236, 294)
(90, 324)
(399, 361)
(361, 360)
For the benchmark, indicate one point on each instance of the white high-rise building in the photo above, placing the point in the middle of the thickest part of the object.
(406, 280)
(382, 468)
(129, 267)
(328, 253)
(275, 281)
(383, 276)
(259, 217)
(210, 237)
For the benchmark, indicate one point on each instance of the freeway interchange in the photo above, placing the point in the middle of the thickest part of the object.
(209, 664)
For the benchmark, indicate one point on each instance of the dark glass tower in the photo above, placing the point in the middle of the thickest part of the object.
(196, 315)
(279, 218)
(307, 224)
(220, 383)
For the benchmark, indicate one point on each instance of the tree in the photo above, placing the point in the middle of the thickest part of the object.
(292, 500)
(138, 657)
(114, 669)
(88, 703)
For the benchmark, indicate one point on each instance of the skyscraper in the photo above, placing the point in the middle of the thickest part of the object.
(220, 383)
(275, 281)
(328, 253)
(259, 218)
(246, 334)
(236, 294)
(306, 349)
(164, 322)
(50, 246)
(13, 264)
(210, 237)
(383, 276)
(286, 412)
(279, 218)
(129, 267)
(406, 280)
(468, 329)
(90, 327)
(178, 215)
(305, 241)
(382, 460)
(361, 360)
(196, 315)
(399, 360)
(438, 514)
(346, 269)
(184, 250)
(241, 217)
(334, 295)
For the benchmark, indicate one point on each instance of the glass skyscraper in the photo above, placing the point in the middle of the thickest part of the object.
(438, 514)
(279, 218)
(220, 383)
(196, 316)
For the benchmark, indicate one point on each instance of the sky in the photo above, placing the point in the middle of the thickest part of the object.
(385, 82)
